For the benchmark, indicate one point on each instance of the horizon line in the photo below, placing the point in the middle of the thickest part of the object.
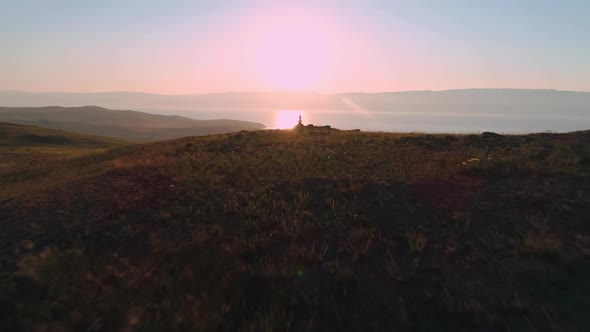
(281, 91)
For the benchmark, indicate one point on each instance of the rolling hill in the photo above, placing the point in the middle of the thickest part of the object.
(15, 135)
(317, 230)
(22, 147)
(126, 125)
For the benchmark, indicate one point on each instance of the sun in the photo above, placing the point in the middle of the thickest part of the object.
(287, 119)
(290, 52)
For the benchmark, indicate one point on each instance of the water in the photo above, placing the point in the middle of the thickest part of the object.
(400, 121)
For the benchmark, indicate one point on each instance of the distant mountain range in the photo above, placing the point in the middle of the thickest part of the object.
(125, 125)
(468, 100)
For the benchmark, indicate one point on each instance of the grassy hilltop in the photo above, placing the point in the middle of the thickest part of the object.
(22, 147)
(322, 230)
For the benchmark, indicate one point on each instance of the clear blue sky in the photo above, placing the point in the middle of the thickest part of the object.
(179, 46)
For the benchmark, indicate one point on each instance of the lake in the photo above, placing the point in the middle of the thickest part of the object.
(400, 121)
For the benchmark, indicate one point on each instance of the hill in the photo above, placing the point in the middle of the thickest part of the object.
(318, 230)
(126, 125)
(24, 146)
(15, 135)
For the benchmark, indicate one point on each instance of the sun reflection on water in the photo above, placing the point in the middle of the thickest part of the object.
(287, 119)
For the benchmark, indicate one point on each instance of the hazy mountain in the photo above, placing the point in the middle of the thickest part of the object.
(127, 125)
(471, 100)
(476, 100)
(136, 100)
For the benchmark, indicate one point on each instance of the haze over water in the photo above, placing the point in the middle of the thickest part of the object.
(400, 121)
(453, 111)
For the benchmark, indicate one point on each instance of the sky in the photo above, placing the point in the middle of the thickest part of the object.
(182, 46)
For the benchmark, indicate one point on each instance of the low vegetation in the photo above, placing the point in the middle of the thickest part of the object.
(318, 230)
(23, 148)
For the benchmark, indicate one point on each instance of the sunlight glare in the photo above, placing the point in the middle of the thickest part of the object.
(291, 51)
(287, 119)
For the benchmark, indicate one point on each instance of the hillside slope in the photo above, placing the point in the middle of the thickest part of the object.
(15, 135)
(322, 230)
(22, 147)
(127, 125)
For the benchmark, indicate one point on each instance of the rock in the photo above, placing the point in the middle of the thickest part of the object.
(489, 134)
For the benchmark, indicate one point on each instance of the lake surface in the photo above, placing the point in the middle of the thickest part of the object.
(400, 121)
